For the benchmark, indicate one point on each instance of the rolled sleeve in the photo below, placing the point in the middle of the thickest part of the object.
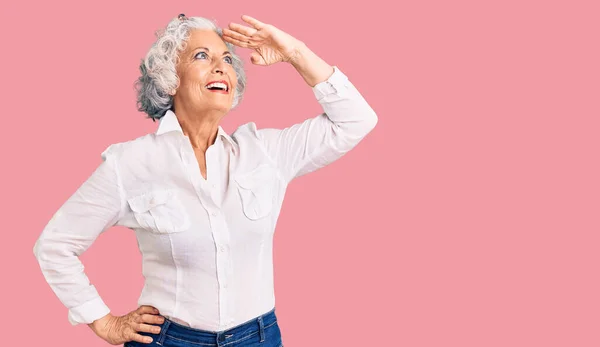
(89, 311)
(337, 83)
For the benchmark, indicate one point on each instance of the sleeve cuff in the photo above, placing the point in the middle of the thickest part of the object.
(337, 83)
(88, 312)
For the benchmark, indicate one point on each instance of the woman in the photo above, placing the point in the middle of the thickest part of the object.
(203, 203)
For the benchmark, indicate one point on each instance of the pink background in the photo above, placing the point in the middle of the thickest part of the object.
(468, 217)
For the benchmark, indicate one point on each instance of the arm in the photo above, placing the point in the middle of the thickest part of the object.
(92, 209)
(319, 141)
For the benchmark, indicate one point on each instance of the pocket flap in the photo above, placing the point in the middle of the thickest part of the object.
(255, 177)
(146, 201)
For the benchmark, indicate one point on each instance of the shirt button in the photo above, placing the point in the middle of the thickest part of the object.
(213, 213)
(222, 248)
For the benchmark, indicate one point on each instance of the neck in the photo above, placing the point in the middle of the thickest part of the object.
(201, 128)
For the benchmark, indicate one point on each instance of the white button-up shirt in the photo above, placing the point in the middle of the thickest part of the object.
(206, 244)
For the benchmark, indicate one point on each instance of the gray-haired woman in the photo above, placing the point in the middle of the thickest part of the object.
(203, 203)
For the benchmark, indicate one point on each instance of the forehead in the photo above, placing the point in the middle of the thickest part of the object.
(205, 38)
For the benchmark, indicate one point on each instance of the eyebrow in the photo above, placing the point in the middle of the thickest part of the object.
(195, 49)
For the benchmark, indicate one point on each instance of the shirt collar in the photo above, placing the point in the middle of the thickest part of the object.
(169, 122)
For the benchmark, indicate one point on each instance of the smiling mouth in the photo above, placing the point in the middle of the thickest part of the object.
(218, 87)
(218, 91)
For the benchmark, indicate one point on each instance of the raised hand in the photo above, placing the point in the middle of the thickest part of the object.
(270, 44)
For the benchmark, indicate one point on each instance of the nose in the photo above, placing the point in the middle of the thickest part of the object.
(218, 68)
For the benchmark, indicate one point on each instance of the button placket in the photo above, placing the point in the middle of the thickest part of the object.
(221, 239)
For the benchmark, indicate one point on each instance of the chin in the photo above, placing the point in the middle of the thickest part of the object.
(225, 108)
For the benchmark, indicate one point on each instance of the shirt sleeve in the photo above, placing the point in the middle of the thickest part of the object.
(94, 207)
(319, 141)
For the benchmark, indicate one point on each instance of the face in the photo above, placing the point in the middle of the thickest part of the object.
(205, 60)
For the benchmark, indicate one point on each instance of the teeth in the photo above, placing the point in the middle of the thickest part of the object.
(217, 85)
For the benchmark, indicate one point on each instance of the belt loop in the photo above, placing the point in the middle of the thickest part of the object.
(261, 329)
(163, 330)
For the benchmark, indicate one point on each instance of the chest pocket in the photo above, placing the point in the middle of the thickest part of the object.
(257, 191)
(160, 211)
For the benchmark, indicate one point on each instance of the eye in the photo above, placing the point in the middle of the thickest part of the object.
(230, 59)
(200, 53)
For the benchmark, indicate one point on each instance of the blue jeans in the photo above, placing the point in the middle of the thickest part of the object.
(262, 331)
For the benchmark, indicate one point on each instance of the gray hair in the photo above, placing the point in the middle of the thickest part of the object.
(158, 74)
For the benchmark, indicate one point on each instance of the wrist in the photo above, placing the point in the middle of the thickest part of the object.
(298, 54)
(310, 66)
(100, 324)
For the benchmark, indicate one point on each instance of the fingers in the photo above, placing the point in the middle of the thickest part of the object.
(236, 35)
(140, 338)
(143, 322)
(241, 39)
(147, 309)
(238, 42)
(242, 29)
(147, 328)
(151, 318)
(253, 21)
(257, 59)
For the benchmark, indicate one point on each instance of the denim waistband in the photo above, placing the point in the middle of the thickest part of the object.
(244, 330)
